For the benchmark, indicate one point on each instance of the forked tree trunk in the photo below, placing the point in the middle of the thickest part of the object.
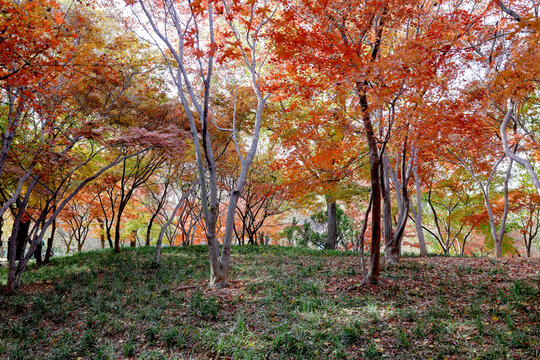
(219, 261)
(392, 253)
(502, 231)
(11, 282)
(331, 213)
(374, 163)
(484, 186)
(219, 274)
(155, 214)
(109, 237)
(393, 250)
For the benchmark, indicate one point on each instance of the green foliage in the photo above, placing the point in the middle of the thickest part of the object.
(285, 303)
(173, 336)
(204, 308)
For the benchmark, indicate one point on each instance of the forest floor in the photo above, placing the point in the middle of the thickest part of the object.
(282, 303)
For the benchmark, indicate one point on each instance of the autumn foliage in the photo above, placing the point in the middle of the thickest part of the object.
(378, 126)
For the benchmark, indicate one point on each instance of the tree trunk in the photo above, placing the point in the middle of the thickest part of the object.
(393, 250)
(18, 227)
(374, 260)
(331, 210)
(109, 237)
(157, 256)
(417, 213)
(37, 254)
(393, 246)
(374, 163)
(502, 231)
(13, 121)
(362, 235)
(22, 234)
(50, 241)
(387, 207)
(219, 274)
(117, 233)
(150, 223)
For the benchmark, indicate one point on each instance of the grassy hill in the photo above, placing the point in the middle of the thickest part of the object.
(282, 303)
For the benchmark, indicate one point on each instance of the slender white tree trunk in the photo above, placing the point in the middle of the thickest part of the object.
(417, 213)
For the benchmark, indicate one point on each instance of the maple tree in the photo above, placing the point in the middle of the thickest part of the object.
(375, 63)
(66, 136)
(526, 206)
(187, 20)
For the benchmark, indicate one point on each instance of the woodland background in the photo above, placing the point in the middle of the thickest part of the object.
(275, 178)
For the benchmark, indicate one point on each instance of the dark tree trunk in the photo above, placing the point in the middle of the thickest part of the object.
(117, 236)
(50, 242)
(109, 238)
(18, 227)
(150, 223)
(121, 208)
(375, 256)
(331, 209)
(22, 234)
(374, 163)
(37, 254)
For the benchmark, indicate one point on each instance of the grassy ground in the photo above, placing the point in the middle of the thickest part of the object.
(282, 303)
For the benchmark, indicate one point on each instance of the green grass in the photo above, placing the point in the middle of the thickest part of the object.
(283, 303)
